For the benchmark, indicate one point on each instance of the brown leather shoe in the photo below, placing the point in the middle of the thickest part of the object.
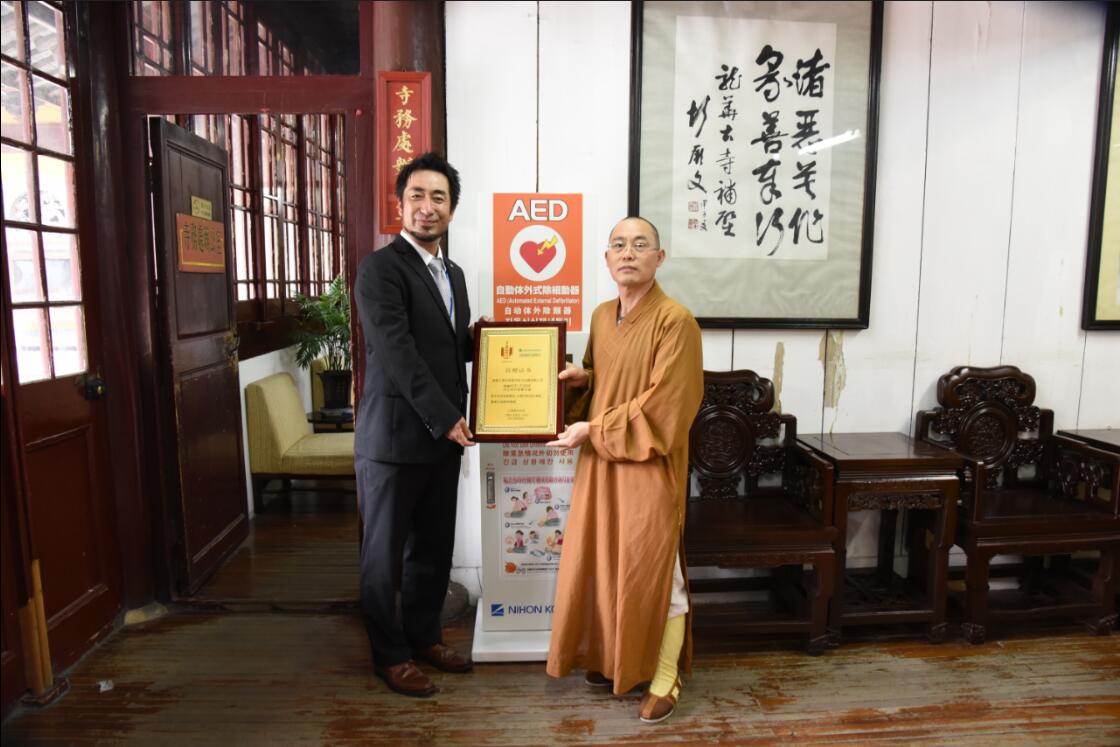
(406, 679)
(445, 659)
(654, 709)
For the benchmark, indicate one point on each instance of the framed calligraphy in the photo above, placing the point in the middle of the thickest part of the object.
(404, 131)
(752, 149)
(1101, 304)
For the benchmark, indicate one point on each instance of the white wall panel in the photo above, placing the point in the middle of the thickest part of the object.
(791, 357)
(879, 361)
(718, 346)
(974, 83)
(1053, 174)
(584, 127)
(1100, 384)
(491, 122)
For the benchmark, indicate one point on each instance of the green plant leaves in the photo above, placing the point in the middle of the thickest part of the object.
(324, 329)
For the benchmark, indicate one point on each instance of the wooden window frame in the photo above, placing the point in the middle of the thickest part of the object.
(38, 226)
(322, 211)
(265, 324)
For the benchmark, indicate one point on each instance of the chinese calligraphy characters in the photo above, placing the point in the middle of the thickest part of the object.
(752, 108)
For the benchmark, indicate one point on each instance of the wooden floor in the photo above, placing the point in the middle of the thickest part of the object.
(305, 679)
(301, 554)
(251, 671)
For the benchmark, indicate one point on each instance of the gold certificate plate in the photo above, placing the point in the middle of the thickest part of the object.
(516, 395)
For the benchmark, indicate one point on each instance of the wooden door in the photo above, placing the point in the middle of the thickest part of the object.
(206, 485)
(14, 591)
(57, 506)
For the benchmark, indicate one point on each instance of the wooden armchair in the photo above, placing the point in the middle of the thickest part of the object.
(1027, 492)
(760, 500)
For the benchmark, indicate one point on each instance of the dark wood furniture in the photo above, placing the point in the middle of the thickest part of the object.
(890, 472)
(1098, 438)
(1027, 492)
(757, 499)
(1107, 439)
(321, 423)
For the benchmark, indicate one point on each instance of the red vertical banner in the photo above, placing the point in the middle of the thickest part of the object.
(404, 131)
(538, 258)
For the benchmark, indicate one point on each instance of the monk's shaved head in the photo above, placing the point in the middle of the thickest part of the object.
(647, 221)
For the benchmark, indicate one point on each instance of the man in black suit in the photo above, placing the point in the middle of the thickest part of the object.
(410, 433)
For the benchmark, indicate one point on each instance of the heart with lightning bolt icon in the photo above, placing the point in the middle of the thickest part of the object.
(538, 255)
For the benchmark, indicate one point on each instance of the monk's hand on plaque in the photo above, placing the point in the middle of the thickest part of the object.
(574, 376)
(460, 433)
(574, 435)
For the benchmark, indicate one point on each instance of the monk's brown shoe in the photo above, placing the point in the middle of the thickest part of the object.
(654, 709)
(445, 659)
(596, 679)
(406, 679)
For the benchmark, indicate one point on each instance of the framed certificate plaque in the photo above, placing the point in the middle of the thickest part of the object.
(515, 393)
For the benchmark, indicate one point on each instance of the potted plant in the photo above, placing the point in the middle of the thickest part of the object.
(325, 332)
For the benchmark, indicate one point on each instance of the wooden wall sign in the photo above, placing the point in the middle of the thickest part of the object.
(404, 131)
(202, 244)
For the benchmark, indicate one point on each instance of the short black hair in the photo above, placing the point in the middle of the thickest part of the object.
(430, 162)
(656, 233)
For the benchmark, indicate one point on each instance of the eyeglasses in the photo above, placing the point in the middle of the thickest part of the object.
(638, 246)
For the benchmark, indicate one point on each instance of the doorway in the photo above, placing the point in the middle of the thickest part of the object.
(282, 93)
(248, 220)
(301, 555)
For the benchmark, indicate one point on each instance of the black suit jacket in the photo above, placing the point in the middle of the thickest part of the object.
(416, 378)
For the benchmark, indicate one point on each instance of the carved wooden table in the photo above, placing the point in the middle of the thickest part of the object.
(1101, 438)
(889, 472)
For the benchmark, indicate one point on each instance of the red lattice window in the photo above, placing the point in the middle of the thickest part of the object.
(285, 171)
(153, 38)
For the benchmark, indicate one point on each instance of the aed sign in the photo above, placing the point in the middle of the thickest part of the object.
(538, 210)
(538, 258)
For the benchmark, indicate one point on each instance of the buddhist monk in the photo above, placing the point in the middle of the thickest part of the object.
(621, 610)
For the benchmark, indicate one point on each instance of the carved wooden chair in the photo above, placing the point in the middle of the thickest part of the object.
(1027, 492)
(758, 499)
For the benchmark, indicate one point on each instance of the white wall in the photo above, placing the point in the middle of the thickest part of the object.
(986, 120)
(255, 369)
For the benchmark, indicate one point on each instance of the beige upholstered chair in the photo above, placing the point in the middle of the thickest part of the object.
(281, 442)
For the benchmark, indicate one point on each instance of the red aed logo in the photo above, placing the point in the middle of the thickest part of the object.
(538, 254)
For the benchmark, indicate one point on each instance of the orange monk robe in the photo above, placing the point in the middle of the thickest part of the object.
(627, 515)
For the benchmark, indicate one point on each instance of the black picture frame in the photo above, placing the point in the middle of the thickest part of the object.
(860, 319)
(1091, 310)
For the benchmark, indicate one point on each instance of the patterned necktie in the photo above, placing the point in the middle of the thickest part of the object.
(442, 282)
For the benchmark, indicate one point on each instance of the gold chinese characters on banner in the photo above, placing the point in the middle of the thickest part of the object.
(201, 243)
(404, 131)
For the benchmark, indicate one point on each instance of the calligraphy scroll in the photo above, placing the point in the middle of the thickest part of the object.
(1101, 305)
(755, 157)
(753, 104)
